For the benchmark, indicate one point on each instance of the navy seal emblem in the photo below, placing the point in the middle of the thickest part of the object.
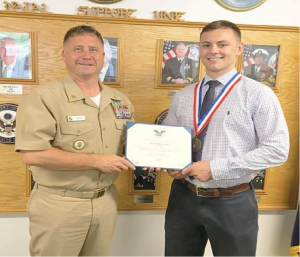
(8, 123)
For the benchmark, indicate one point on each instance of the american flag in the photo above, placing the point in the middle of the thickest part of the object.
(169, 51)
(248, 56)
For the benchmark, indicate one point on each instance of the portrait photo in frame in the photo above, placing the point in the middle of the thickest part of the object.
(261, 63)
(177, 63)
(112, 71)
(144, 182)
(18, 58)
(259, 182)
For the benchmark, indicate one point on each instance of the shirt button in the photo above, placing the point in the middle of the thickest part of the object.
(104, 128)
(106, 146)
(84, 193)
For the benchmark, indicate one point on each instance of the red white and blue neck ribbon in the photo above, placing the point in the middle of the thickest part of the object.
(201, 122)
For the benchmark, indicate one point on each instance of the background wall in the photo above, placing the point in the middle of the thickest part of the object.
(142, 233)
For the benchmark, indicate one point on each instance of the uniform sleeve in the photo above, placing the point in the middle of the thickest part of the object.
(273, 140)
(36, 127)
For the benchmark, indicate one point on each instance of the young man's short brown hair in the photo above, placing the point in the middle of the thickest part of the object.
(222, 24)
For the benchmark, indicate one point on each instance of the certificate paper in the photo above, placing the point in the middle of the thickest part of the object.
(152, 145)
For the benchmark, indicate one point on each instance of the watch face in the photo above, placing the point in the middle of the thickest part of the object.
(241, 5)
(161, 117)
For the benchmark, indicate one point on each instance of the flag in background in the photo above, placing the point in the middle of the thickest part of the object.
(248, 56)
(169, 51)
(295, 249)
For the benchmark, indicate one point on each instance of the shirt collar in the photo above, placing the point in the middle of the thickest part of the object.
(224, 79)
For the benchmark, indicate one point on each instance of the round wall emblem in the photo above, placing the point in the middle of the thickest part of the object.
(161, 117)
(8, 123)
(105, 1)
(240, 5)
(79, 144)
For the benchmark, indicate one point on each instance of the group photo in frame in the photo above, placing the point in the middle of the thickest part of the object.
(112, 71)
(144, 182)
(261, 63)
(178, 63)
(18, 57)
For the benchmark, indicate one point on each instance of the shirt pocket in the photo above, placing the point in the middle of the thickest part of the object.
(121, 135)
(78, 137)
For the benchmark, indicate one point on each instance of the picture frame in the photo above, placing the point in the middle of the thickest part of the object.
(18, 58)
(144, 184)
(170, 72)
(260, 181)
(112, 71)
(262, 63)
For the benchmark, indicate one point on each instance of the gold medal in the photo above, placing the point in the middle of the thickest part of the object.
(79, 144)
(196, 144)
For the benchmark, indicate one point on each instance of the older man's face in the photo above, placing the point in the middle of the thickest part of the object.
(9, 51)
(180, 51)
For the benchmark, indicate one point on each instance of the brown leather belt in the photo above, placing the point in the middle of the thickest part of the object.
(72, 193)
(216, 192)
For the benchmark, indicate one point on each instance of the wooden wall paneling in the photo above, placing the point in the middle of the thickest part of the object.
(139, 38)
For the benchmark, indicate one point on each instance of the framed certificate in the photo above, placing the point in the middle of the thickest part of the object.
(153, 145)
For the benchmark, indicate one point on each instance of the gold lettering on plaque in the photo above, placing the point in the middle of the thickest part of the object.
(173, 16)
(106, 12)
(26, 7)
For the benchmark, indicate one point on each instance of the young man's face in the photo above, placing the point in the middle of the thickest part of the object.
(218, 51)
(83, 55)
(9, 51)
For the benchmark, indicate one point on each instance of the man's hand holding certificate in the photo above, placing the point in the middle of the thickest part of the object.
(152, 145)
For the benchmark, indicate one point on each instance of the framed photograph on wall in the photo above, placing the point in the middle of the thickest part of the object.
(144, 182)
(259, 182)
(177, 63)
(18, 58)
(261, 63)
(112, 71)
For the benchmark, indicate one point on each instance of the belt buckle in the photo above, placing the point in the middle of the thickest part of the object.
(98, 193)
(197, 191)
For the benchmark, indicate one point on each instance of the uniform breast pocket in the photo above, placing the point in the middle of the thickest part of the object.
(77, 137)
(121, 134)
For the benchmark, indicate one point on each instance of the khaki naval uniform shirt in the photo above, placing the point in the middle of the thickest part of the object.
(42, 123)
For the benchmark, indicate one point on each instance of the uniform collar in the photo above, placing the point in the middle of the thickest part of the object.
(74, 93)
(107, 95)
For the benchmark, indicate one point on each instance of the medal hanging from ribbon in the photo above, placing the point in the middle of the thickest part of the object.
(201, 122)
